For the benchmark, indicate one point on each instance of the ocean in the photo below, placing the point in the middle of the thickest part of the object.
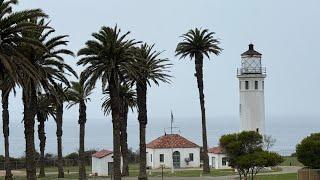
(288, 131)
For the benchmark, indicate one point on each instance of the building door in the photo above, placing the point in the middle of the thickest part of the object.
(176, 159)
(110, 168)
(213, 163)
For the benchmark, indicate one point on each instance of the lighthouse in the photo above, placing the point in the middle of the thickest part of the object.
(251, 77)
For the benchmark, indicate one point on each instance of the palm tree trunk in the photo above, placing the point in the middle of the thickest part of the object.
(199, 76)
(30, 102)
(115, 107)
(5, 120)
(124, 141)
(143, 120)
(42, 139)
(59, 139)
(82, 123)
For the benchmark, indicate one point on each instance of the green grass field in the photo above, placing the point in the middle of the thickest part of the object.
(293, 160)
(134, 170)
(291, 176)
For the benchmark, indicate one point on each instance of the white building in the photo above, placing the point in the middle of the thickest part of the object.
(102, 163)
(172, 150)
(217, 158)
(251, 77)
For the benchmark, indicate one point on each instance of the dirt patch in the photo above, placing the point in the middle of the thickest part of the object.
(15, 173)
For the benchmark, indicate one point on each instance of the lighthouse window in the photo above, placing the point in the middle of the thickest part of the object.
(256, 85)
(247, 84)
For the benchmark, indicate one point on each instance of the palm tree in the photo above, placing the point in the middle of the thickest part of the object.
(79, 94)
(196, 44)
(128, 99)
(50, 65)
(45, 109)
(12, 24)
(6, 85)
(109, 58)
(150, 68)
(12, 62)
(58, 103)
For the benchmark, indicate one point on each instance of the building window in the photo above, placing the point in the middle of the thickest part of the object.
(150, 157)
(240, 85)
(191, 156)
(257, 130)
(224, 161)
(262, 84)
(161, 158)
(247, 84)
(256, 85)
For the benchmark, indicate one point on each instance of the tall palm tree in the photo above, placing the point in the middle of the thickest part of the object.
(44, 110)
(6, 85)
(196, 44)
(128, 99)
(109, 58)
(12, 61)
(51, 68)
(79, 94)
(150, 68)
(58, 103)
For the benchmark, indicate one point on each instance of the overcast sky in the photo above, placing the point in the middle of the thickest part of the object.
(285, 32)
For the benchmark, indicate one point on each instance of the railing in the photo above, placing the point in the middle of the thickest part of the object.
(242, 71)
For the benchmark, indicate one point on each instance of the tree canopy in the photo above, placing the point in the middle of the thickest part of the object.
(308, 151)
(245, 153)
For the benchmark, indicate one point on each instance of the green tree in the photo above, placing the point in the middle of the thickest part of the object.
(149, 68)
(128, 99)
(11, 59)
(196, 44)
(44, 110)
(79, 94)
(48, 59)
(245, 153)
(308, 151)
(109, 57)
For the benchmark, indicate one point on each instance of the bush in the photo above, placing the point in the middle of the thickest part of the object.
(308, 151)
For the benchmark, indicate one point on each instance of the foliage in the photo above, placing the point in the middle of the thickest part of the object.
(245, 153)
(108, 57)
(198, 41)
(308, 151)
(149, 67)
(128, 99)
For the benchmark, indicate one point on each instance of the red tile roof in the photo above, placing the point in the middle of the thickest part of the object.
(216, 150)
(102, 153)
(171, 141)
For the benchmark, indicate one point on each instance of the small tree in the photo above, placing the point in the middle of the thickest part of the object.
(308, 151)
(245, 153)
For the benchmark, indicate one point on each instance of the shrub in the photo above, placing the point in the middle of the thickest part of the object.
(308, 151)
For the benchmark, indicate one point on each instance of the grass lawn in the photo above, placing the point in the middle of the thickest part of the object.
(70, 176)
(190, 173)
(293, 160)
(291, 176)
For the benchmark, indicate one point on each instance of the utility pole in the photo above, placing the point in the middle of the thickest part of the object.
(171, 127)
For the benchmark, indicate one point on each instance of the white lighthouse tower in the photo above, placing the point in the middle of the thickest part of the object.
(251, 77)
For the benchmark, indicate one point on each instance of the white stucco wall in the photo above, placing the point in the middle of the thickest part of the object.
(168, 162)
(252, 106)
(215, 161)
(100, 165)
